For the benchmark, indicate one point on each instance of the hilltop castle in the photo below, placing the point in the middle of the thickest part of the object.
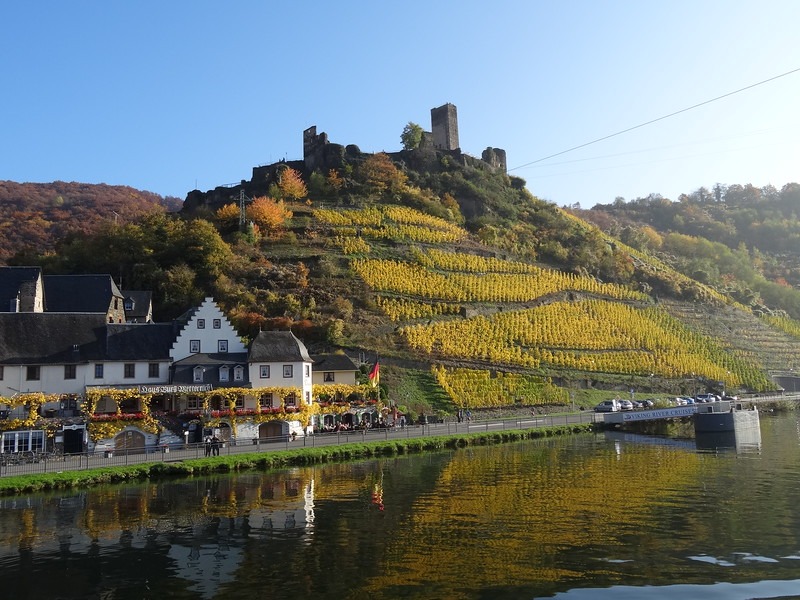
(320, 154)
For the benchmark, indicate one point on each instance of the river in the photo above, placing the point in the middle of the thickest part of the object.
(595, 516)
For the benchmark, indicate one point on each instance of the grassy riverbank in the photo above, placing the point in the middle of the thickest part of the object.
(23, 484)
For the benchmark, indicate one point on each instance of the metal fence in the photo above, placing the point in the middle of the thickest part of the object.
(37, 463)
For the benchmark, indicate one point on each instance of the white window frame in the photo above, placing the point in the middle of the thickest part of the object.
(288, 371)
(197, 374)
(194, 346)
(263, 371)
(222, 346)
(224, 373)
(238, 373)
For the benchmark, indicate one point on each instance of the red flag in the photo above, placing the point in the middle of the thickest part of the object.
(375, 374)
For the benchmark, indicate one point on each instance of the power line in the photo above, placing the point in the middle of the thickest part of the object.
(677, 112)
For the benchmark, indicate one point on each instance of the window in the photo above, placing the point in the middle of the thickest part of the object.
(239, 401)
(128, 304)
(224, 374)
(265, 400)
(1, 373)
(217, 323)
(152, 370)
(33, 373)
(98, 371)
(23, 441)
(308, 370)
(201, 323)
(198, 374)
(70, 371)
(328, 377)
(264, 371)
(129, 370)
(194, 402)
(291, 400)
(222, 346)
(288, 370)
(194, 346)
(308, 397)
(238, 373)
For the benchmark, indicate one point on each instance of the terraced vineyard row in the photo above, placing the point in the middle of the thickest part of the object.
(591, 335)
(391, 222)
(471, 388)
(418, 282)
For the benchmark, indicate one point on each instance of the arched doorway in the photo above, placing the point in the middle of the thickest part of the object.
(130, 441)
(271, 431)
(225, 432)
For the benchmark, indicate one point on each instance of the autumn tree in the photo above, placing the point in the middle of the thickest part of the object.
(411, 136)
(291, 184)
(269, 215)
(228, 216)
(380, 175)
(335, 180)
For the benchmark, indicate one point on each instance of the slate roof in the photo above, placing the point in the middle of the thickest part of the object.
(183, 370)
(139, 341)
(333, 362)
(11, 278)
(278, 346)
(50, 338)
(142, 302)
(79, 293)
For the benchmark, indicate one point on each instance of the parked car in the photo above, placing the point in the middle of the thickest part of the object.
(647, 403)
(625, 405)
(706, 398)
(607, 406)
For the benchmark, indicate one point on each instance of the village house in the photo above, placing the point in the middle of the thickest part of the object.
(87, 379)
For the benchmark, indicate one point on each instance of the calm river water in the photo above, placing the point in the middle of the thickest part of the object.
(589, 516)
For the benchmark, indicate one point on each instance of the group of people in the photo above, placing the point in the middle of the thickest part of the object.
(464, 415)
(212, 444)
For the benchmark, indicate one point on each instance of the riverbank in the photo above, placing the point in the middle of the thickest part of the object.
(23, 484)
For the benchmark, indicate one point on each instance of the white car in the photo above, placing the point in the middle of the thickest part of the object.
(625, 405)
(607, 406)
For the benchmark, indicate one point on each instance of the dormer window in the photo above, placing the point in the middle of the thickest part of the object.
(224, 374)
(238, 373)
(198, 374)
(129, 304)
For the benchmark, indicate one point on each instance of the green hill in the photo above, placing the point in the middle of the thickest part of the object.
(472, 291)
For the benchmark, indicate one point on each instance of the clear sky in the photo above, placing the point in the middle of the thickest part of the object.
(172, 95)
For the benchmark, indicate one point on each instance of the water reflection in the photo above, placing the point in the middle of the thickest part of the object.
(596, 514)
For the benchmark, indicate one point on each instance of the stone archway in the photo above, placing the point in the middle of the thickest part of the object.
(271, 431)
(130, 441)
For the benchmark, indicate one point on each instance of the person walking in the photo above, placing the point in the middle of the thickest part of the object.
(215, 445)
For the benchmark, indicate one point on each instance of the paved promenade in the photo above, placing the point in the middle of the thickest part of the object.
(177, 454)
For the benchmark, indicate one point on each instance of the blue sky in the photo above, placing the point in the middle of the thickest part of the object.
(171, 95)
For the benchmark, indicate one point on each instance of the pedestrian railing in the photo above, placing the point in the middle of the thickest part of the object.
(27, 463)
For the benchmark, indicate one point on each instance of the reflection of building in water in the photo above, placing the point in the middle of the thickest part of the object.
(194, 529)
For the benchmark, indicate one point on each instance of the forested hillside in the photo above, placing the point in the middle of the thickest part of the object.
(34, 216)
(472, 291)
(742, 240)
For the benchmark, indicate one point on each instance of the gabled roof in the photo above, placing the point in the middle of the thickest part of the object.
(139, 341)
(278, 346)
(51, 338)
(11, 278)
(333, 362)
(79, 293)
(183, 370)
(142, 303)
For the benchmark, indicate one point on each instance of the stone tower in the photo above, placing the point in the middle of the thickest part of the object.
(444, 126)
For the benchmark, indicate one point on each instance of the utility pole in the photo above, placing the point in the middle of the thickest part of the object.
(242, 212)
